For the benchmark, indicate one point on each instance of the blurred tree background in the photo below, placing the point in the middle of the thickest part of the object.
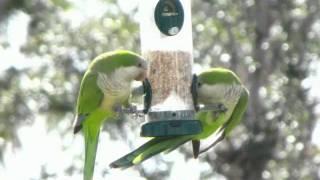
(273, 45)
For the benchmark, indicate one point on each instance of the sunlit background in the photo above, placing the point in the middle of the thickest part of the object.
(45, 46)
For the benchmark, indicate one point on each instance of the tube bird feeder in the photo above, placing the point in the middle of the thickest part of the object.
(166, 42)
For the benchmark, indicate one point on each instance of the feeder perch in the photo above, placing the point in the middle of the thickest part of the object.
(166, 42)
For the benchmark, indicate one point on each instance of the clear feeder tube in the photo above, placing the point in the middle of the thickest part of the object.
(170, 59)
(168, 48)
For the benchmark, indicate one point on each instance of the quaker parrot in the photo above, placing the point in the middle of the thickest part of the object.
(215, 86)
(104, 88)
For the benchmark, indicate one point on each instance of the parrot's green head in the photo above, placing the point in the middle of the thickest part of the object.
(214, 84)
(123, 63)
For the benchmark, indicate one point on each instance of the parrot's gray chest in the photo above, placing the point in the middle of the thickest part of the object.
(114, 86)
(228, 94)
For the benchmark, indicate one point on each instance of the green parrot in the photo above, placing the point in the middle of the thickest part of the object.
(105, 87)
(215, 86)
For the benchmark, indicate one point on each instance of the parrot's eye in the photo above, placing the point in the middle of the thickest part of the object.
(140, 65)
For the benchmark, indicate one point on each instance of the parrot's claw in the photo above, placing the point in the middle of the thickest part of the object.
(131, 109)
(216, 108)
(128, 110)
(222, 108)
(118, 109)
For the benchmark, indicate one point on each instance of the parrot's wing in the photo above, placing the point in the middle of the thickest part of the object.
(89, 99)
(237, 112)
(233, 121)
(149, 149)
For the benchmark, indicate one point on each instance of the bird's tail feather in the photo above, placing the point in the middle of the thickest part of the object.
(176, 145)
(149, 149)
(91, 143)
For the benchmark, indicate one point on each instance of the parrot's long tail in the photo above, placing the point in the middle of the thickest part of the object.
(149, 149)
(91, 143)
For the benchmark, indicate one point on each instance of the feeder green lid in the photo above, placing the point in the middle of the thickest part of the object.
(171, 128)
(169, 16)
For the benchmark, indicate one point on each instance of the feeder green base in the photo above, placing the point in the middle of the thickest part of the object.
(171, 128)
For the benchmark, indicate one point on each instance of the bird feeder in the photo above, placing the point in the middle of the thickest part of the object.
(166, 42)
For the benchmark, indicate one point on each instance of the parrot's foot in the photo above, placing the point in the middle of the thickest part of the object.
(221, 108)
(129, 109)
(118, 109)
(216, 108)
(134, 111)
